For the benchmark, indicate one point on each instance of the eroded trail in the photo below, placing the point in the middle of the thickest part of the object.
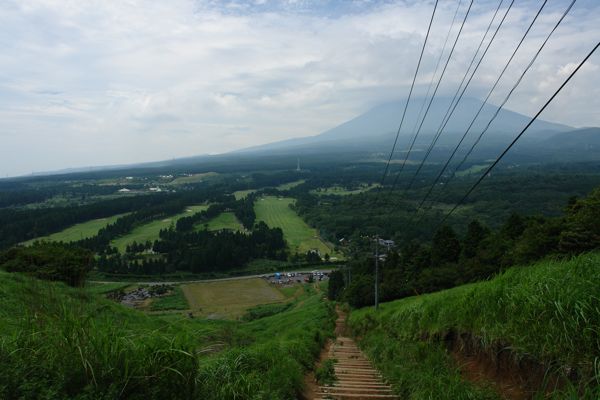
(356, 378)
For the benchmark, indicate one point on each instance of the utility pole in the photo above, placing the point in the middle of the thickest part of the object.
(377, 272)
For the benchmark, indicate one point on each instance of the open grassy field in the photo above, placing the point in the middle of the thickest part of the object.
(196, 178)
(226, 220)
(151, 230)
(172, 301)
(242, 194)
(341, 191)
(276, 213)
(290, 185)
(78, 231)
(230, 298)
(472, 170)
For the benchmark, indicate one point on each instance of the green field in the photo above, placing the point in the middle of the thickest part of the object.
(80, 231)
(102, 288)
(151, 230)
(242, 194)
(226, 220)
(229, 298)
(289, 185)
(175, 300)
(472, 170)
(341, 191)
(276, 213)
(196, 178)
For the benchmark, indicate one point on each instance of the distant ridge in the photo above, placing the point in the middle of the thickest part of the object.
(382, 121)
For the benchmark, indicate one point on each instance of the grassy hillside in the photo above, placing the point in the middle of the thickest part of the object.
(548, 312)
(62, 343)
(276, 213)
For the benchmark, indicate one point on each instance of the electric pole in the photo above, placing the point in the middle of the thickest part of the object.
(377, 272)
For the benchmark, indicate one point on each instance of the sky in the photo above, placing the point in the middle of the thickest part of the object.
(101, 82)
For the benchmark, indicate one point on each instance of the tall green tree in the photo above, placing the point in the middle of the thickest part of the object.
(445, 247)
(582, 225)
(476, 233)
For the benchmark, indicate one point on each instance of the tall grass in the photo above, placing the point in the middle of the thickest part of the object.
(57, 343)
(549, 311)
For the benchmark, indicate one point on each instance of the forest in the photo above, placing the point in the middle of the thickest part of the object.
(450, 259)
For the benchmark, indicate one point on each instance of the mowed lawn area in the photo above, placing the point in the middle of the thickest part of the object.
(242, 194)
(290, 185)
(226, 220)
(229, 298)
(151, 230)
(80, 231)
(276, 213)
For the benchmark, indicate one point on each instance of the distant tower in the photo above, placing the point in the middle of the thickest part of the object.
(298, 167)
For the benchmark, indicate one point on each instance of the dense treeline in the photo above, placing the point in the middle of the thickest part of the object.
(451, 259)
(49, 261)
(243, 210)
(392, 214)
(21, 225)
(126, 223)
(17, 226)
(20, 197)
(200, 251)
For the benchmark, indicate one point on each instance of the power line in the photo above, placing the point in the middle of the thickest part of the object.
(454, 103)
(511, 91)
(437, 65)
(432, 98)
(441, 173)
(387, 166)
(489, 169)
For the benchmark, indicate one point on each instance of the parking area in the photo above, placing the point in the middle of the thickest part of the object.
(292, 278)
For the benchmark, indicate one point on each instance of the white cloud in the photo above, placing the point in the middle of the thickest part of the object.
(100, 82)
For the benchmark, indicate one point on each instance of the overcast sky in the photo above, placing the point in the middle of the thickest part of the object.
(108, 82)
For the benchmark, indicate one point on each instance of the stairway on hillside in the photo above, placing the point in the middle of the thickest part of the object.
(356, 377)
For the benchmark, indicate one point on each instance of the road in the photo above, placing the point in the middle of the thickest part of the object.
(150, 283)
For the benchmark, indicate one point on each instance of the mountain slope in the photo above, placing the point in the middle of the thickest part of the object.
(378, 126)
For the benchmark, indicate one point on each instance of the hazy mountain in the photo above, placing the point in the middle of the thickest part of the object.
(377, 127)
(574, 145)
(371, 134)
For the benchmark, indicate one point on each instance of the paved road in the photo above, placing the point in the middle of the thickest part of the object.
(209, 280)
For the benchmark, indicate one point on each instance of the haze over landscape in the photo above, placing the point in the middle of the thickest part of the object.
(299, 200)
(100, 83)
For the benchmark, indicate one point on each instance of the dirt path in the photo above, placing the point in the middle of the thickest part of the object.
(356, 378)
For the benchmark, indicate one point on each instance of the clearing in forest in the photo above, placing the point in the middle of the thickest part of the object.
(151, 230)
(225, 220)
(342, 191)
(229, 298)
(242, 194)
(80, 231)
(196, 178)
(290, 185)
(276, 213)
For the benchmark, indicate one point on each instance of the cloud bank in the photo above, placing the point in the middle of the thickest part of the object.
(109, 82)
